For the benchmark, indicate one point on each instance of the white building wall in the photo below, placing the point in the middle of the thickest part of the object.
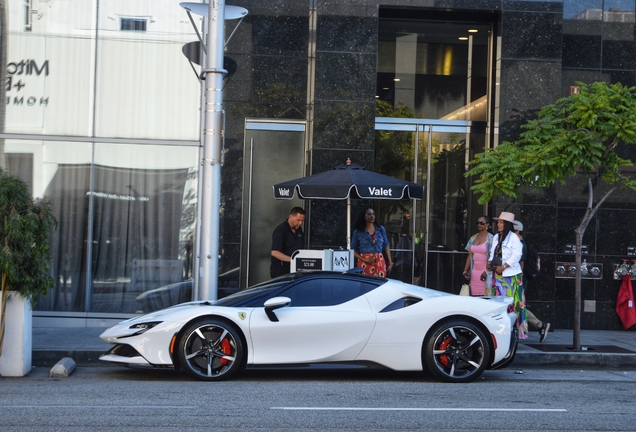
(71, 77)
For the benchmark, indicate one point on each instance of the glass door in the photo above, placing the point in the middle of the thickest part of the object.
(428, 236)
(435, 96)
(396, 146)
(274, 152)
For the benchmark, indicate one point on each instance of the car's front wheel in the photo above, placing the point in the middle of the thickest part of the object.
(210, 350)
(456, 351)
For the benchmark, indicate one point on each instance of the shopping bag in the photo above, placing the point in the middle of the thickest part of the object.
(465, 291)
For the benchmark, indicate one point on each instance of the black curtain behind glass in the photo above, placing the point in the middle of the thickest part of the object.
(67, 192)
(135, 244)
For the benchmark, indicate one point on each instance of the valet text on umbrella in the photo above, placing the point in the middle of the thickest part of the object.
(380, 191)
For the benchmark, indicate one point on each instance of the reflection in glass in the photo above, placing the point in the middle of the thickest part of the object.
(624, 7)
(62, 176)
(145, 86)
(135, 206)
(50, 67)
(582, 9)
(599, 10)
(437, 67)
(100, 68)
(436, 227)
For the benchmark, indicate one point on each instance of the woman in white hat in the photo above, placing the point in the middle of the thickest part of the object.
(507, 274)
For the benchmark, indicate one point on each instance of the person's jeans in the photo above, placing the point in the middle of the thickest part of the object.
(533, 320)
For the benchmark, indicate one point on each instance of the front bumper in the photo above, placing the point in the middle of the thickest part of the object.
(128, 356)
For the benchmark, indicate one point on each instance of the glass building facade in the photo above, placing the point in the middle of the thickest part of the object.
(103, 118)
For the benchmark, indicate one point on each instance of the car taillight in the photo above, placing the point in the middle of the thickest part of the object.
(511, 308)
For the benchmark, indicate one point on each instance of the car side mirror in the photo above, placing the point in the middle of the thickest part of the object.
(275, 303)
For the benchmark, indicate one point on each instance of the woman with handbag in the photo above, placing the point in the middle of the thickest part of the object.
(507, 274)
(478, 248)
(370, 245)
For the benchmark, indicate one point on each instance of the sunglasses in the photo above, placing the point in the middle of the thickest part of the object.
(482, 223)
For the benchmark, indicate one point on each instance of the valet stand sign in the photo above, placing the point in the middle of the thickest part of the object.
(25, 226)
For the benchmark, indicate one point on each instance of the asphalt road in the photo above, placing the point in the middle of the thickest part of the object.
(319, 400)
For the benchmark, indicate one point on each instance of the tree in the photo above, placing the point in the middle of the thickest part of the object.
(582, 134)
(25, 226)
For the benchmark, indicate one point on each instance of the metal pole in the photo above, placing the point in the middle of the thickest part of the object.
(429, 151)
(212, 154)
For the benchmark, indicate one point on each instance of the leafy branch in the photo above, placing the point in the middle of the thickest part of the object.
(578, 135)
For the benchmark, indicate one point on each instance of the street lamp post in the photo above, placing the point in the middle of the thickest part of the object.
(207, 276)
(211, 160)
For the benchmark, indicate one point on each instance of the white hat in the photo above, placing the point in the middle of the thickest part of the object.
(507, 216)
(518, 226)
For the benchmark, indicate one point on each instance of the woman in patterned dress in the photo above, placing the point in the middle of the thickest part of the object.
(370, 245)
(507, 274)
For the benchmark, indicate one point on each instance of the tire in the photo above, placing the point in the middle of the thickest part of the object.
(457, 352)
(210, 350)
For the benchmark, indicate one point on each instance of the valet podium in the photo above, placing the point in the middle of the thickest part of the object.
(327, 259)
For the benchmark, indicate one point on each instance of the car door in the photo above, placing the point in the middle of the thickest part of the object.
(327, 320)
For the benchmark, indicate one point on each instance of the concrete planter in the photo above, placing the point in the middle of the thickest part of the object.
(15, 360)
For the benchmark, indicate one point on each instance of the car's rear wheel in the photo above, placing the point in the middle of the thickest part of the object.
(210, 350)
(456, 351)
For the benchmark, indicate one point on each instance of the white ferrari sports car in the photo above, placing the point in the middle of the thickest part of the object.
(323, 317)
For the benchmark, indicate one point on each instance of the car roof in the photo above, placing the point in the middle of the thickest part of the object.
(255, 294)
(324, 274)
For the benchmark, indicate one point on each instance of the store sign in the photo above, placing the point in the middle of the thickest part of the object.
(16, 86)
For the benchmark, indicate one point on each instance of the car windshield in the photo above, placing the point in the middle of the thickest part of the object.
(253, 297)
(305, 289)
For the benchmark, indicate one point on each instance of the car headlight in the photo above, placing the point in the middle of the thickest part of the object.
(143, 327)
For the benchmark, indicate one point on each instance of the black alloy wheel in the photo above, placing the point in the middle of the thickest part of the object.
(457, 352)
(210, 350)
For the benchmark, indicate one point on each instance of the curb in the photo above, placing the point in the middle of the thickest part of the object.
(48, 358)
(579, 359)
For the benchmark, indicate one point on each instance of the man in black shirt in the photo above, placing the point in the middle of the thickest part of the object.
(287, 238)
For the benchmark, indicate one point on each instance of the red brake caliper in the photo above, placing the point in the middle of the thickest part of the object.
(227, 349)
(443, 358)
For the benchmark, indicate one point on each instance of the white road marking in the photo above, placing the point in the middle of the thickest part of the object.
(100, 406)
(419, 409)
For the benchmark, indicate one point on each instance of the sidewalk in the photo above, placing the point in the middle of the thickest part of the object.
(600, 349)
(606, 349)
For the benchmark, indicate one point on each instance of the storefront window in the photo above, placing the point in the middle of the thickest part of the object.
(108, 68)
(133, 204)
(126, 210)
(142, 235)
(146, 87)
(50, 67)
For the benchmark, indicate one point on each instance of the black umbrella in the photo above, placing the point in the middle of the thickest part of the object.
(349, 181)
